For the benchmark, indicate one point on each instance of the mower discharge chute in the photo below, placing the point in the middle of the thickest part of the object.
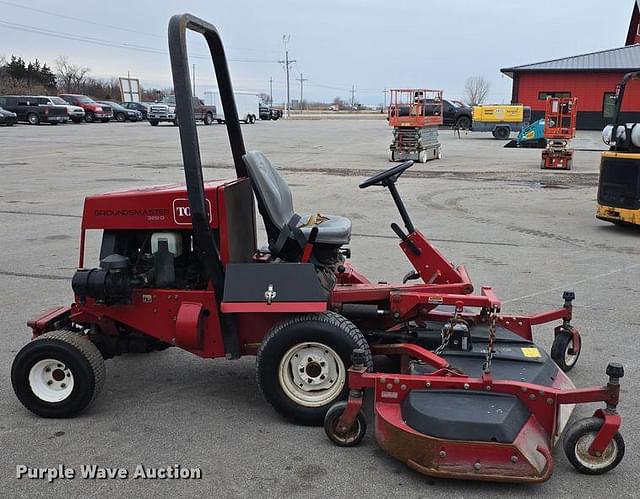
(473, 396)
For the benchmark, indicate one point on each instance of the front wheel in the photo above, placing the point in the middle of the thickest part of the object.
(208, 119)
(58, 374)
(89, 117)
(349, 437)
(153, 122)
(563, 352)
(502, 133)
(463, 123)
(302, 364)
(576, 445)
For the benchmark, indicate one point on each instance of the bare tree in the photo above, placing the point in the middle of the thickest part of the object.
(70, 77)
(476, 89)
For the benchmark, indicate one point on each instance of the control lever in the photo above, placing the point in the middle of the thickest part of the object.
(308, 247)
(400, 233)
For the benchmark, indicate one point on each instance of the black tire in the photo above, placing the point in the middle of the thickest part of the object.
(208, 119)
(463, 123)
(328, 329)
(560, 351)
(220, 122)
(105, 120)
(76, 120)
(89, 117)
(81, 361)
(153, 122)
(577, 440)
(54, 123)
(350, 438)
(121, 117)
(33, 119)
(501, 133)
(175, 122)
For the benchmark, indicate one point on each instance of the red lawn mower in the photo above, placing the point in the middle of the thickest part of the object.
(471, 396)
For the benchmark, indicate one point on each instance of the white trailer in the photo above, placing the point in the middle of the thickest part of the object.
(247, 104)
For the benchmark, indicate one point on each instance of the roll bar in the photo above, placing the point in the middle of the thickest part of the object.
(205, 243)
(634, 75)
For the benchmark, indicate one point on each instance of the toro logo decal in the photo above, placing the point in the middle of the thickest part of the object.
(182, 211)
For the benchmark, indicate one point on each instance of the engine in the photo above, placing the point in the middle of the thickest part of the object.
(140, 259)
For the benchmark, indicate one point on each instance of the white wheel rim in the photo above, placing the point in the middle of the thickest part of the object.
(570, 358)
(51, 380)
(311, 374)
(594, 462)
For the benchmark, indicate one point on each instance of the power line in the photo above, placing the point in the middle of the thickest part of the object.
(112, 44)
(111, 26)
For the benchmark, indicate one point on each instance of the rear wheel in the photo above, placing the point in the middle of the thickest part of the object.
(502, 133)
(33, 119)
(58, 374)
(579, 438)
(121, 117)
(302, 364)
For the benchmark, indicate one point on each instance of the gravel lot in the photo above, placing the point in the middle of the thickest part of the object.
(527, 232)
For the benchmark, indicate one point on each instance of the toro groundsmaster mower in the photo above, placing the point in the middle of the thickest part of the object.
(473, 397)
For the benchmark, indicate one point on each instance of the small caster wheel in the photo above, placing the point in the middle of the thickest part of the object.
(349, 438)
(577, 441)
(562, 351)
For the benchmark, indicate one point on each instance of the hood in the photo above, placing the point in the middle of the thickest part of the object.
(4, 112)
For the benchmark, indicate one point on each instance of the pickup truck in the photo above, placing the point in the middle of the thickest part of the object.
(30, 110)
(165, 110)
(92, 110)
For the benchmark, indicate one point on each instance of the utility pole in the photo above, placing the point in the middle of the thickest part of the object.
(271, 91)
(301, 80)
(353, 92)
(384, 107)
(287, 62)
(194, 79)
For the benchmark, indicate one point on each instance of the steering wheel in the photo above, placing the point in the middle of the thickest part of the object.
(380, 178)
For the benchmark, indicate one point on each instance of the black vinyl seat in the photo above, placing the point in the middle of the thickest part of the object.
(275, 203)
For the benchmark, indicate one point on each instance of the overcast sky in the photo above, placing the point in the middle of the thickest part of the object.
(372, 44)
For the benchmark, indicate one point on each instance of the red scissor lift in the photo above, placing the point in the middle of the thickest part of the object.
(559, 128)
(415, 114)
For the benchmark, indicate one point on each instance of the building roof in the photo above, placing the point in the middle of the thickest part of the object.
(633, 34)
(618, 60)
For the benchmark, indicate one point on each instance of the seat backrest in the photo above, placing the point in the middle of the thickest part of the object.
(274, 196)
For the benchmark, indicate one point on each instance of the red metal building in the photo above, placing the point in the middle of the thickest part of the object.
(592, 78)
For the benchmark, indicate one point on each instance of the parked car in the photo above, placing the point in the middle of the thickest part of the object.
(166, 111)
(269, 113)
(92, 110)
(29, 109)
(121, 113)
(137, 106)
(159, 112)
(76, 113)
(7, 117)
(456, 114)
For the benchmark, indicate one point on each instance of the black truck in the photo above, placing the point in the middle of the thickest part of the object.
(29, 109)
